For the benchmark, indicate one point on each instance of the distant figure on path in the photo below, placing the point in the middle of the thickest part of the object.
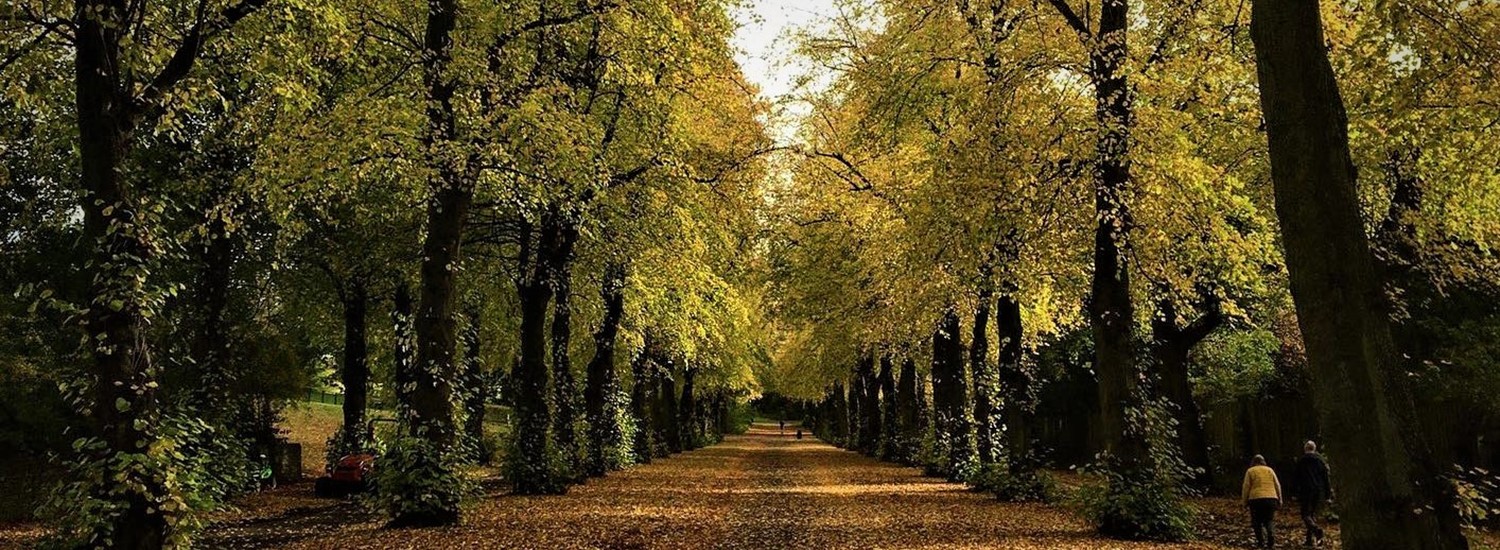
(783, 427)
(799, 433)
(1312, 486)
(1262, 494)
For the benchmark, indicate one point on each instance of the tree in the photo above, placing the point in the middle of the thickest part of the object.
(122, 85)
(1390, 490)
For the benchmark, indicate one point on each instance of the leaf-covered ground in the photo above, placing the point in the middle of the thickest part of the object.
(761, 490)
(758, 491)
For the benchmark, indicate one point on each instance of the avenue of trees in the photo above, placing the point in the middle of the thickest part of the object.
(210, 207)
(998, 214)
(1001, 199)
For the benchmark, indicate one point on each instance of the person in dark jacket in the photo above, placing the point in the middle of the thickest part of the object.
(1312, 486)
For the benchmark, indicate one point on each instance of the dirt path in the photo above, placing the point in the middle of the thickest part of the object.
(758, 491)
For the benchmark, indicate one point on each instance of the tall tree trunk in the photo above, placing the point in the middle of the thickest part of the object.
(985, 426)
(403, 366)
(431, 394)
(869, 405)
(721, 412)
(476, 386)
(889, 409)
(1390, 492)
(669, 435)
(950, 396)
(840, 421)
(1170, 346)
(1017, 401)
(564, 389)
(604, 430)
(856, 437)
(1111, 312)
(211, 341)
(908, 432)
(535, 474)
(356, 367)
(123, 401)
(685, 408)
(643, 378)
(924, 409)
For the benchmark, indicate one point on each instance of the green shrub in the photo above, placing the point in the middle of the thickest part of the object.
(418, 484)
(1478, 496)
(546, 475)
(194, 468)
(621, 452)
(1014, 485)
(741, 415)
(1137, 506)
(1144, 501)
(344, 442)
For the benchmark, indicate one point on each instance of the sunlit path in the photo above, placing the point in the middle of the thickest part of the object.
(759, 490)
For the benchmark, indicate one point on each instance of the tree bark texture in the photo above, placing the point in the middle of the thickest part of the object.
(1390, 493)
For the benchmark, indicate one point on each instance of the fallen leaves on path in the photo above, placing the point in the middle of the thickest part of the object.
(761, 490)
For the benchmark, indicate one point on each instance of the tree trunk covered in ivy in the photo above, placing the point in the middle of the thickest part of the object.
(1111, 312)
(1170, 346)
(121, 399)
(985, 431)
(601, 382)
(1017, 401)
(401, 327)
(950, 396)
(210, 345)
(356, 367)
(532, 471)
(559, 263)
(476, 386)
(431, 393)
(123, 406)
(890, 414)
(1391, 494)
(641, 399)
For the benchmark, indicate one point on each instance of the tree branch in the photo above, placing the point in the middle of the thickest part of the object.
(187, 53)
(1072, 18)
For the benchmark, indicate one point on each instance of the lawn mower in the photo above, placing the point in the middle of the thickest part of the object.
(352, 473)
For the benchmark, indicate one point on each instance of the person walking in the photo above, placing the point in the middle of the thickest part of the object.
(1311, 484)
(1261, 492)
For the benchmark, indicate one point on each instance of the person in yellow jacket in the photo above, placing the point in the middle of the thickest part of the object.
(1261, 492)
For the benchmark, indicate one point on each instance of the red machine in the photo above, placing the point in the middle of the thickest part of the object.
(352, 474)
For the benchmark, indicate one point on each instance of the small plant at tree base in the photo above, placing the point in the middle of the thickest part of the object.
(197, 467)
(1144, 501)
(545, 475)
(345, 442)
(1010, 484)
(1137, 505)
(932, 455)
(619, 452)
(419, 484)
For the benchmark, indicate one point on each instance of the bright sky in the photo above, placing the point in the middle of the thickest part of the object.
(766, 52)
